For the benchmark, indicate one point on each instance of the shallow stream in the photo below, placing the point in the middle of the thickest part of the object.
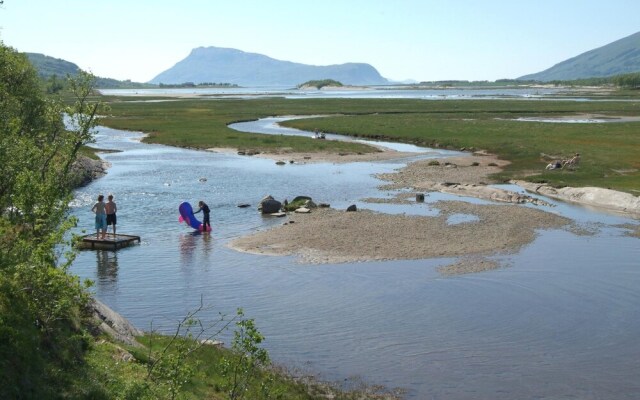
(561, 320)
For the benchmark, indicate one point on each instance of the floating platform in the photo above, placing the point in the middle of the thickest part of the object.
(109, 242)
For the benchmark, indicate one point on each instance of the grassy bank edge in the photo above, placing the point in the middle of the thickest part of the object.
(116, 370)
(609, 155)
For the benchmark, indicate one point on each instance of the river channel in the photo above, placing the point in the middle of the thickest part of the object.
(561, 320)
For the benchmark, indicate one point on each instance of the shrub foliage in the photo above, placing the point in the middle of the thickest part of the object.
(41, 306)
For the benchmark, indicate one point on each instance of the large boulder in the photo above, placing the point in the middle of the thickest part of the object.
(114, 324)
(269, 205)
(300, 202)
(85, 170)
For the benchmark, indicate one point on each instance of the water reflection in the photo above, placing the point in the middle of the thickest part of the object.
(195, 248)
(107, 263)
(187, 246)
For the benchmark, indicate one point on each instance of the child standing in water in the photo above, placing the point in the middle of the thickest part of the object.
(101, 217)
(111, 210)
(205, 210)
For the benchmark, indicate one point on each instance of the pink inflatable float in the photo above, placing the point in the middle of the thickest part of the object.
(186, 215)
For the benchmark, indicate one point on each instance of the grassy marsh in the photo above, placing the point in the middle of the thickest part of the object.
(610, 151)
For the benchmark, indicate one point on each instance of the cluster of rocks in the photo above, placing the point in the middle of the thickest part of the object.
(248, 152)
(486, 192)
(300, 205)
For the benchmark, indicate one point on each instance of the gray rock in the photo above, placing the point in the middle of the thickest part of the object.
(114, 324)
(310, 204)
(269, 205)
(84, 170)
(352, 208)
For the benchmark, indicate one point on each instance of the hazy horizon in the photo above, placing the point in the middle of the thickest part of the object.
(404, 39)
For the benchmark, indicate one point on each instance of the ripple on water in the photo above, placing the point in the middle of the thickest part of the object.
(563, 311)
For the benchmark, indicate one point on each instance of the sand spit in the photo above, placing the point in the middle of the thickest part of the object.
(336, 236)
(333, 236)
(468, 265)
(290, 157)
(462, 176)
(473, 169)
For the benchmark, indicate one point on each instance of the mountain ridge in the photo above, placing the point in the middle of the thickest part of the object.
(48, 67)
(619, 57)
(220, 64)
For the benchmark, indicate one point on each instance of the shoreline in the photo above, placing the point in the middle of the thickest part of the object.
(289, 157)
(465, 176)
(335, 236)
(321, 236)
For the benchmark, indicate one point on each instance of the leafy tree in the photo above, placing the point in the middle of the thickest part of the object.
(40, 304)
(54, 85)
(630, 81)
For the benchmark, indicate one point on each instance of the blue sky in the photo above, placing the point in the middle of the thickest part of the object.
(403, 39)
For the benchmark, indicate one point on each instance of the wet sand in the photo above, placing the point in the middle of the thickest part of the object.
(337, 236)
(321, 156)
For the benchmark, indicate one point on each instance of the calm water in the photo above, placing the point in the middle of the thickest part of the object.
(561, 321)
(380, 92)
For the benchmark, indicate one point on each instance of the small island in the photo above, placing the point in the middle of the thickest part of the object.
(319, 84)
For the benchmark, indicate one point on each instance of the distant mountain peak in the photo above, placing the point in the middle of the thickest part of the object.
(619, 57)
(228, 65)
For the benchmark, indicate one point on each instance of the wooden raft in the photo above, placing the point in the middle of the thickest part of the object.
(109, 243)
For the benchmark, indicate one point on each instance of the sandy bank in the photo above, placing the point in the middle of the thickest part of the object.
(332, 236)
(469, 176)
(287, 156)
(472, 169)
(336, 236)
(464, 176)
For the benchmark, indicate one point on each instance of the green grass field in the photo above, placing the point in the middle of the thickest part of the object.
(610, 152)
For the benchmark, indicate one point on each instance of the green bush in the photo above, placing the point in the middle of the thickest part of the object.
(41, 306)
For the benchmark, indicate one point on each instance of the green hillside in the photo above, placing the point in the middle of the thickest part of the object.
(619, 57)
(48, 67)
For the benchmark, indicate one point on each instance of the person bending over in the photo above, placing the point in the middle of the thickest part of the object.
(205, 211)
